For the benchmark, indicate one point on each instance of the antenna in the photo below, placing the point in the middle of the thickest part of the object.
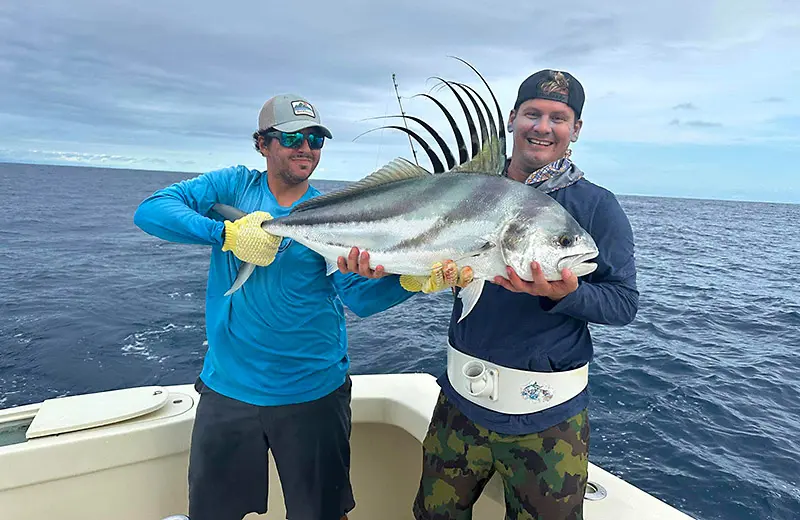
(404, 119)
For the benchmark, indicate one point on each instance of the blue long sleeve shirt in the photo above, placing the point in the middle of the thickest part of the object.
(281, 338)
(538, 334)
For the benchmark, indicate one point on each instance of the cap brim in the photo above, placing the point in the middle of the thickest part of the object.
(294, 126)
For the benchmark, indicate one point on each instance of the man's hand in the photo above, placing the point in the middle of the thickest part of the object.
(555, 290)
(355, 263)
(246, 239)
(444, 275)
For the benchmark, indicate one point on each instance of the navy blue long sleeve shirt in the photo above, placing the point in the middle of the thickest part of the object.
(535, 333)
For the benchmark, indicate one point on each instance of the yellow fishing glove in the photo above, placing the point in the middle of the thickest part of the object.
(443, 276)
(248, 242)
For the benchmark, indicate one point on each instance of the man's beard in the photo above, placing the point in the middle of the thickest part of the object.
(291, 179)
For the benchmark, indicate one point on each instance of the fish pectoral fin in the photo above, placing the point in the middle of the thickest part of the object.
(482, 249)
(469, 296)
(463, 259)
(244, 273)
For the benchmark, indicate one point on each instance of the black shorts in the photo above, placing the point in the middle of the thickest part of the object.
(310, 442)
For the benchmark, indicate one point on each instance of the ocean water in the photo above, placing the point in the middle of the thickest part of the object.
(696, 401)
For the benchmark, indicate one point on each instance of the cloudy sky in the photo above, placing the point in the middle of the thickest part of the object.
(684, 98)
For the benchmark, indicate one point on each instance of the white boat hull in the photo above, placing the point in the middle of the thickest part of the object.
(136, 469)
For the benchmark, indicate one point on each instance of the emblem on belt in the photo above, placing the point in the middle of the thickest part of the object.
(536, 392)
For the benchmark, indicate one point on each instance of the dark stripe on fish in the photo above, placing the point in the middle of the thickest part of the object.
(465, 209)
(398, 206)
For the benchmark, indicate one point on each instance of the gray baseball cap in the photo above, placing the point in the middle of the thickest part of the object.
(290, 113)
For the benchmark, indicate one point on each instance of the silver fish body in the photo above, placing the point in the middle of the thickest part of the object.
(481, 220)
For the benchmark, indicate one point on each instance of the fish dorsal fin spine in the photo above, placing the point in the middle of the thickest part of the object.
(399, 169)
(491, 159)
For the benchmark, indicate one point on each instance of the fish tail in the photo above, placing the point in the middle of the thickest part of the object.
(271, 248)
(272, 244)
(265, 256)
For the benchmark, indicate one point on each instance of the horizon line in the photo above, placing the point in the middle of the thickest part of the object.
(7, 162)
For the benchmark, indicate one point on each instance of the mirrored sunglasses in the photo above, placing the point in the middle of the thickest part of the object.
(295, 139)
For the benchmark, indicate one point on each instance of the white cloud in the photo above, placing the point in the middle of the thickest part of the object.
(178, 84)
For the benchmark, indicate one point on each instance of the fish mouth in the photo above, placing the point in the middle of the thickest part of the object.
(578, 263)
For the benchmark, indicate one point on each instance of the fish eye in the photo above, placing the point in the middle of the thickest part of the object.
(565, 240)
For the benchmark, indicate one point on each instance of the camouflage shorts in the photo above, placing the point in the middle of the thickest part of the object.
(544, 474)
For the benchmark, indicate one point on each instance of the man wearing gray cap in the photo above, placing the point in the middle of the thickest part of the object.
(275, 375)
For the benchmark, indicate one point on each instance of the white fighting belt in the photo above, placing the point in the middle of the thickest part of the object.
(510, 390)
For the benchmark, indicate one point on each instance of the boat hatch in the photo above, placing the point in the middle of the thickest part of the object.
(79, 412)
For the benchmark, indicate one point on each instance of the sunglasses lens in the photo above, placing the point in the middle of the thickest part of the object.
(293, 140)
(315, 141)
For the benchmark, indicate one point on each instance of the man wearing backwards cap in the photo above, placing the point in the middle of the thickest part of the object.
(276, 371)
(530, 423)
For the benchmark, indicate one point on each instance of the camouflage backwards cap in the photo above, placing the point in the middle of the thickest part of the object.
(554, 85)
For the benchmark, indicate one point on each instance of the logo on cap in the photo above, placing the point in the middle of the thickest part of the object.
(557, 83)
(302, 108)
(556, 87)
